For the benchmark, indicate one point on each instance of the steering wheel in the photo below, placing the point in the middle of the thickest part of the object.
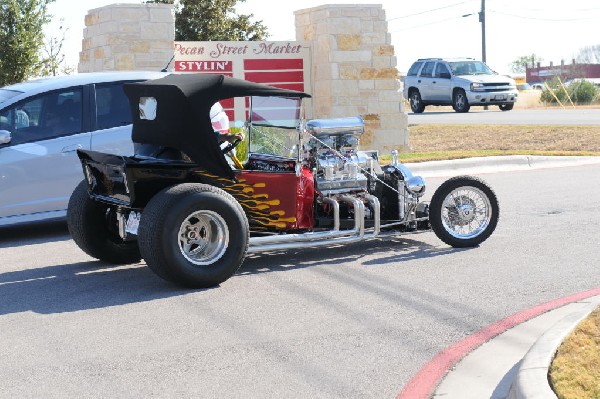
(231, 146)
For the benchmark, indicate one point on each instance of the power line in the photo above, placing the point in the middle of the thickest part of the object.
(542, 19)
(428, 11)
(431, 23)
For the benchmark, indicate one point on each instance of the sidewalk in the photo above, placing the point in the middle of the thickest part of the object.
(496, 164)
(515, 364)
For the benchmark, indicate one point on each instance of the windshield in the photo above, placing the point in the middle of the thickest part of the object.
(470, 68)
(274, 122)
(6, 94)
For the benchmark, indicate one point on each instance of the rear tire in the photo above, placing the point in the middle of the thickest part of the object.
(416, 103)
(464, 212)
(200, 241)
(93, 227)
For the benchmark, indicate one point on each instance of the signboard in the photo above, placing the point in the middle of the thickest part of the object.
(280, 64)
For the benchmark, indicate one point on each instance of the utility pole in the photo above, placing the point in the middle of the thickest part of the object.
(482, 20)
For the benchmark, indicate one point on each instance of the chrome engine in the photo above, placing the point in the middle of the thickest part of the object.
(341, 169)
(333, 153)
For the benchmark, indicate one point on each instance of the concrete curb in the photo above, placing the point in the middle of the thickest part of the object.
(495, 164)
(531, 380)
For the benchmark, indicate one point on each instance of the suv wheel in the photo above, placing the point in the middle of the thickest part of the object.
(506, 107)
(460, 102)
(416, 104)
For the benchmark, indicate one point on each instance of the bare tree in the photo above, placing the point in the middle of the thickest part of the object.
(526, 61)
(53, 58)
(589, 55)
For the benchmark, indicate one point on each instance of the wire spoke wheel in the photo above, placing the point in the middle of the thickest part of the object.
(466, 212)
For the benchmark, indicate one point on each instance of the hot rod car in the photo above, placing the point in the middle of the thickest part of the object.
(193, 210)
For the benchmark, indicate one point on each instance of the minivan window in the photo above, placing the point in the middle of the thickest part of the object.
(43, 117)
(112, 106)
(427, 70)
(414, 69)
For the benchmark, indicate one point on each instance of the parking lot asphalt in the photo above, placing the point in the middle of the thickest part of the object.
(510, 358)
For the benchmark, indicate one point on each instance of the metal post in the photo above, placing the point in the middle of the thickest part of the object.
(482, 20)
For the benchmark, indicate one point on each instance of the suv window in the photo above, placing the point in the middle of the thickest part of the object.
(441, 68)
(414, 69)
(112, 106)
(427, 70)
(43, 117)
(470, 68)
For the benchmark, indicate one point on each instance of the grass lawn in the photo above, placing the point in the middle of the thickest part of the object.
(435, 142)
(575, 372)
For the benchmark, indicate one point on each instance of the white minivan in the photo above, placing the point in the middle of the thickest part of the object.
(43, 122)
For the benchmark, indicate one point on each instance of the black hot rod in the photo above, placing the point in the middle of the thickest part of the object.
(193, 209)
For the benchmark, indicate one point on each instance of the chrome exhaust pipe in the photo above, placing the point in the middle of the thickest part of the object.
(374, 201)
(291, 241)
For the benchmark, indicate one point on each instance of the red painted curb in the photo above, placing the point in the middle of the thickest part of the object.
(422, 385)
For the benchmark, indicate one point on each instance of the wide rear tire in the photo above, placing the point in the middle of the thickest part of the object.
(464, 211)
(93, 227)
(195, 235)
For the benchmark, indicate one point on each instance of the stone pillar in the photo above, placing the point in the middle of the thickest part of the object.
(354, 70)
(127, 37)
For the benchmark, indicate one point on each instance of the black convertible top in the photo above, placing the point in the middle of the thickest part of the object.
(174, 111)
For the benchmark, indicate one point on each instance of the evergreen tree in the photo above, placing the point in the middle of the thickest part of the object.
(21, 38)
(212, 20)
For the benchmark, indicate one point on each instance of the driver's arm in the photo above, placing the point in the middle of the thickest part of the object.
(230, 137)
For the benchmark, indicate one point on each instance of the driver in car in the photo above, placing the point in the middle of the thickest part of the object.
(220, 123)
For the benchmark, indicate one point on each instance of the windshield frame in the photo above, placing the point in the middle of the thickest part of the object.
(283, 139)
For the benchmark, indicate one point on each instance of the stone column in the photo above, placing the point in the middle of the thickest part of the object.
(128, 37)
(354, 70)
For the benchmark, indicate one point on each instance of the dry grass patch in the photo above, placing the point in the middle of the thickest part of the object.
(430, 142)
(575, 371)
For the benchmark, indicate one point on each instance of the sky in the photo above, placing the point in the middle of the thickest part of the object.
(550, 29)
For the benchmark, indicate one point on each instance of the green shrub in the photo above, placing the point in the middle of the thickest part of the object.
(580, 92)
(583, 92)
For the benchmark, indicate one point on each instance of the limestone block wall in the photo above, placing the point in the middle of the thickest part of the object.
(354, 70)
(127, 37)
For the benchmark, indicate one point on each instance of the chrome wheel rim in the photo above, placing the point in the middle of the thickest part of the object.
(414, 101)
(203, 237)
(460, 101)
(466, 212)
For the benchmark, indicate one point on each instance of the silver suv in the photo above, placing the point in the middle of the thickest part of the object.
(461, 82)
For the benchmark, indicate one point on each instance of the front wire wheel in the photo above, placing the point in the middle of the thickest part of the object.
(464, 212)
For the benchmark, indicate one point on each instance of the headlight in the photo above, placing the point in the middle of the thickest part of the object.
(477, 87)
